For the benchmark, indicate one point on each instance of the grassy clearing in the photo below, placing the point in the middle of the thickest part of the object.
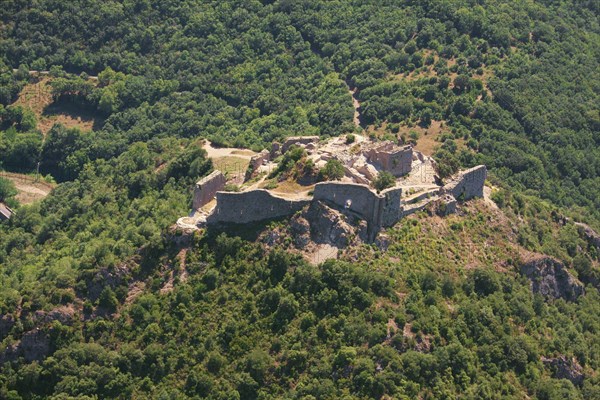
(30, 189)
(231, 165)
(37, 96)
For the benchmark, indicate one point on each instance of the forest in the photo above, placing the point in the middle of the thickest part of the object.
(514, 85)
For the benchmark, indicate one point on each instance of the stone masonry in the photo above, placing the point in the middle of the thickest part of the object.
(252, 206)
(378, 209)
(206, 189)
(353, 196)
(392, 158)
(298, 140)
(467, 184)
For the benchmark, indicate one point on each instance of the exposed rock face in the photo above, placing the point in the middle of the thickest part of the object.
(320, 224)
(328, 225)
(589, 234)
(111, 277)
(6, 323)
(34, 345)
(300, 229)
(206, 189)
(550, 278)
(62, 314)
(565, 368)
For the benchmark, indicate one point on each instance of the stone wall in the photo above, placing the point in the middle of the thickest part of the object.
(467, 184)
(379, 210)
(206, 189)
(355, 197)
(256, 161)
(391, 207)
(394, 159)
(298, 140)
(252, 206)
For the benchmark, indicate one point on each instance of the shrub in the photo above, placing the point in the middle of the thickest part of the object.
(332, 171)
(383, 181)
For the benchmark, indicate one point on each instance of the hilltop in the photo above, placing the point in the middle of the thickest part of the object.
(322, 269)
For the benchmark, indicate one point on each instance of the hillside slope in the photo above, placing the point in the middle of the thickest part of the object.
(99, 298)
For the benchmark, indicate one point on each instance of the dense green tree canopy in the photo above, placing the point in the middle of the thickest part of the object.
(443, 314)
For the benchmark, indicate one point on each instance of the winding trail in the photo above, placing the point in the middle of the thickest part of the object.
(356, 105)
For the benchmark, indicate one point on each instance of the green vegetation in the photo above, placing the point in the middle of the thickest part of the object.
(383, 181)
(442, 314)
(7, 190)
(332, 171)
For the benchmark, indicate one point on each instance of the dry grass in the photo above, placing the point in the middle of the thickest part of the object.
(29, 188)
(243, 152)
(37, 96)
(291, 187)
(231, 165)
(427, 141)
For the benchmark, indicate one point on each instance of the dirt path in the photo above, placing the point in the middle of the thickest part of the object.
(356, 105)
(30, 189)
(487, 192)
(220, 152)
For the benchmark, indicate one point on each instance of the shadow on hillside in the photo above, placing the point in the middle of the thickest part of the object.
(71, 111)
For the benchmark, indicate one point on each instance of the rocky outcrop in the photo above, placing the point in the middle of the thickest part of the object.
(34, 345)
(7, 322)
(329, 226)
(63, 314)
(565, 368)
(550, 278)
(111, 277)
(300, 230)
(589, 234)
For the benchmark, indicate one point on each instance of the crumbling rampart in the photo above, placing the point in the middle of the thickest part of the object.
(362, 161)
(378, 209)
(467, 184)
(298, 140)
(391, 207)
(355, 197)
(389, 157)
(256, 161)
(252, 206)
(206, 189)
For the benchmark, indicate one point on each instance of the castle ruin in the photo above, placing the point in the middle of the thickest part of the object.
(416, 186)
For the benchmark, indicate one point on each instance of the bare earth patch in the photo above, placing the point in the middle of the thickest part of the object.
(292, 190)
(37, 96)
(30, 189)
(427, 141)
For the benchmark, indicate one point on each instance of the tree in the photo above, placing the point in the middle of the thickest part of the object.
(384, 180)
(332, 171)
(7, 189)
(446, 163)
